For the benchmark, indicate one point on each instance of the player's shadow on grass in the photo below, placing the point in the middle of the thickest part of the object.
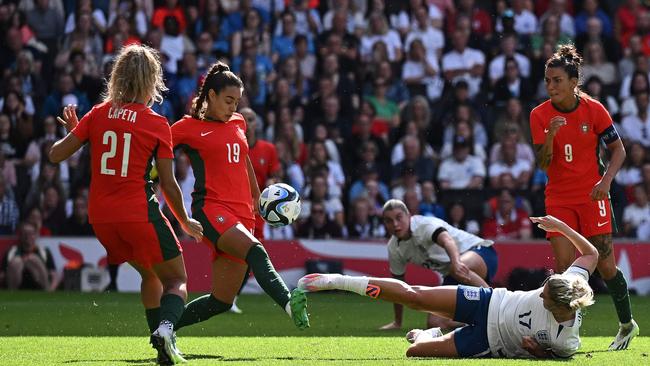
(148, 361)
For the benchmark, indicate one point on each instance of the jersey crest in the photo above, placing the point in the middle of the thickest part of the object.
(543, 338)
(471, 294)
(584, 127)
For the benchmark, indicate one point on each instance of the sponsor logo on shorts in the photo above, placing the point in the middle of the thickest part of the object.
(601, 224)
(472, 294)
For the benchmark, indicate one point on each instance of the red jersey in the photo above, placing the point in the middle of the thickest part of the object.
(265, 161)
(217, 152)
(123, 144)
(575, 167)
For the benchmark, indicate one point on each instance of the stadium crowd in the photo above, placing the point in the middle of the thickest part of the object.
(426, 101)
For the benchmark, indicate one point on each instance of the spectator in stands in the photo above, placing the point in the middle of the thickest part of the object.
(407, 182)
(509, 163)
(31, 83)
(421, 72)
(52, 205)
(513, 117)
(282, 44)
(319, 225)
(428, 204)
(459, 220)
(85, 79)
(464, 63)
(7, 171)
(462, 170)
(637, 127)
(596, 64)
(595, 33)
(362, 223)
(174, 44)
(187, 83)
(291, 172)
(631, 171)
(422, 28)
(318, 191)
(512, 135)
(591, 8)
(9, 212)
(387, 110)
(498, 67)
(415, 160)
(595, 88)
(318, 158)
(47, 24)
(171, 8)
(367, 172)
(380, 32)
(204, 55)
(411, 129)
(28, 265)
(512, 85)
(551, 32)
(65, 94)
(466, 112)
(558, 8)
(77, 224)
(254, 28)
(638, 82)
(463, 128)
(636, 216)
(508, 222)
(625, 20)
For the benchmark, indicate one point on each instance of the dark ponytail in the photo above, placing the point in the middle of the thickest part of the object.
(568, 58)
(218, 78)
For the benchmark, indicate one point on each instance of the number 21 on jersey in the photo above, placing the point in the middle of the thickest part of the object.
(110, 139)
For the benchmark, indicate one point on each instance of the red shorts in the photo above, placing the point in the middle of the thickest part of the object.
(589, 219)
(145, 243)
(216, 220)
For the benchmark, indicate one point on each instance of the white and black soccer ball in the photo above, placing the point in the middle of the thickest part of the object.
(279, 204)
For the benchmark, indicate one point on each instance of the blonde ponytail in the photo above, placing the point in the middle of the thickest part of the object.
(571, 291)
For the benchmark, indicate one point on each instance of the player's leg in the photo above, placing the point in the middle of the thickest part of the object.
(15, 268)
(563, 250)
(443, 346)
(36, 267)
(227, 275)
(618, 290)
(596, 223)
(440, 300)
(151, 290)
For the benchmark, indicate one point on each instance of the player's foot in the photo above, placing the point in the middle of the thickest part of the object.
(318, 282)
(235, 309)
(298, 304)
(419, 334)
(625, 334)
(163, 340)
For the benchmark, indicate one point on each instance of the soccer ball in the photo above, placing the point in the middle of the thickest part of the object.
(279, 204)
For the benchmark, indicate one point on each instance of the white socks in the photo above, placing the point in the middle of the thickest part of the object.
(349, 283)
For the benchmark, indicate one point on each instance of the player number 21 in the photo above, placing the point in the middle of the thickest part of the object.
(233, 152)
(568, 153)
(110, 138)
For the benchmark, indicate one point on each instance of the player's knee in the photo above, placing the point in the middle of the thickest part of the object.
(607, 272)
(416, 350)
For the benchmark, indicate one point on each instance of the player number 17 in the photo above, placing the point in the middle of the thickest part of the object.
(110, 138)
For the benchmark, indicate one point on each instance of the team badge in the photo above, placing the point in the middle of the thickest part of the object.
(262, 161)
(221, 219)
(542, 337)
(584, 127)
(471, 294)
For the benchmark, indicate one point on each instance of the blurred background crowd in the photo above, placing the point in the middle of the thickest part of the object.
(364, 100)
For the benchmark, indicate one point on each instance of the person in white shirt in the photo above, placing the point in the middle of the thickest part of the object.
(432, 243)
(464, 63)
(542, 323)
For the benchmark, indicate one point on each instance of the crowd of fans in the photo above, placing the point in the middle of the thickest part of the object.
(365, 100)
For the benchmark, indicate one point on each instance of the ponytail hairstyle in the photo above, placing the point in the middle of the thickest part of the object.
(218, 78)
(568, 58)
(571, 291)
(136, 73)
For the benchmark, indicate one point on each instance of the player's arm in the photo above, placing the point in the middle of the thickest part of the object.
(174, 198)
(617, 151)
(530, 344)
(458, 269)
(589, 257)
(255, 189)
(544, 152)
(64, 148)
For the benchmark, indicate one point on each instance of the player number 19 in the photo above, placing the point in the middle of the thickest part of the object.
(233, 152)
(568, 153)
(110, 138)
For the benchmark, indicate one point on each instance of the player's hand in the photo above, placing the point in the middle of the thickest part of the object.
(193, 228)
(555, 124)
(459, 270)
(390, 326)
(600, 190)
(530, 344)
(69, 120)
(549, 223)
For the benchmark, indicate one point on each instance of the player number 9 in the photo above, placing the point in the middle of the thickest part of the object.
(568, 153)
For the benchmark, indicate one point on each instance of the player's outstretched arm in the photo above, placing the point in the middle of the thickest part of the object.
(174, 198)
(589, 257)
(64, 148)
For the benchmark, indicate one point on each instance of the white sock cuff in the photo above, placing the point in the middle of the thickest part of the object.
(355, 284)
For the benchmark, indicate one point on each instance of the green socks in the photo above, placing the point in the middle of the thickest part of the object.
(201, 309)
(266, 276)
(617, 287)
(153, 318)
(171, 308)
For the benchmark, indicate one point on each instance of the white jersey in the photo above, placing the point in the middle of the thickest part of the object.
(421, 250)
(513, 315)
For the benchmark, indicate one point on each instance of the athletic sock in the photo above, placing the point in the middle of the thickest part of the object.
(617, 287)
(358, 285)
(153, 318)
(171, 308)
(201, 309)
(266, 276)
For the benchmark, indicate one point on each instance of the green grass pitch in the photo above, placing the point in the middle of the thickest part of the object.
(110, 329)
